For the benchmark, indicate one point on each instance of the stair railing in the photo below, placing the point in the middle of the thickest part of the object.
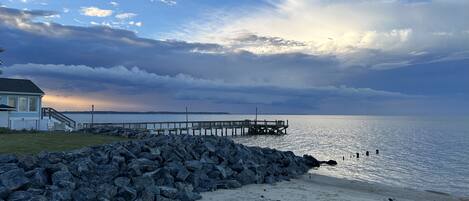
(52, 113)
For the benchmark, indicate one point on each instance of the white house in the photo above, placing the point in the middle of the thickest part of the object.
(21, 107)
(20, 104)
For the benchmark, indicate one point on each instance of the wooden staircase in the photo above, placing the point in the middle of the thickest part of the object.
(53, 114)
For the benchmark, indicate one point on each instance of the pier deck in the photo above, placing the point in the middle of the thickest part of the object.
(218, 128)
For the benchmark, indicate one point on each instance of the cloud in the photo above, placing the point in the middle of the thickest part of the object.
(105, 65)
(95, 12)
(138, 24)
(167, 2)
(125, 16)
(348, 30)
(81, 79)
(107, 47)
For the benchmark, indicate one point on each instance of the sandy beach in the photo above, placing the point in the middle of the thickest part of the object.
(324, 188)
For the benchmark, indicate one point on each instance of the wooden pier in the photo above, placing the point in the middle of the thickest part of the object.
(218, 128)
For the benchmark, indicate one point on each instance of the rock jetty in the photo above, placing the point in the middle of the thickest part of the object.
(160, 167)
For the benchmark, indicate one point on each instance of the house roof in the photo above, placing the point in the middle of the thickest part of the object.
(19, 86)
(6, 108)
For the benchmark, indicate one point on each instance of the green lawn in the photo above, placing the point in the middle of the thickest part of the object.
(31, 143)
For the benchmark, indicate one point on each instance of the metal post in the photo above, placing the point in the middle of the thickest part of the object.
(256, 115)
(187, 121)
(92, 115)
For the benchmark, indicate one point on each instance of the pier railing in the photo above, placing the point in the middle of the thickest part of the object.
(241, 127)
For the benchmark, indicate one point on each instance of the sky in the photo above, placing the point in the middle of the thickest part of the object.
(376, 57)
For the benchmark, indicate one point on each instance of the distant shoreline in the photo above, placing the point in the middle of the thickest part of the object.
(150, 112)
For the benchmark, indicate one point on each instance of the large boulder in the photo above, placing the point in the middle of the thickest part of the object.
(61, 195)
(121, 181)
(13, 179)
(8, 158)
(20, 196)
(106, 191)
(4, 192)
(39, 178)
(311, 161)
(143, 182)
(246, 176)
(84, 194)
(128, 193)
(168, 192)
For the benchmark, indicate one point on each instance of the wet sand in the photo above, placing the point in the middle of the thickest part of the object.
(324, 188)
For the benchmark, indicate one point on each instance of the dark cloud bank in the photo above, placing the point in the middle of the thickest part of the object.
(167, 75)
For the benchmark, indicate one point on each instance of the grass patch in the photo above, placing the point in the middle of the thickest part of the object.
(32, 143)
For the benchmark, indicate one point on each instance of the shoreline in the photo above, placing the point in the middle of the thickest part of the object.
(324, 188)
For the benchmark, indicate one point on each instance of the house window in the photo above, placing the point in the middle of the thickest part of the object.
(33, 104)
(22, 104)
(12, 101)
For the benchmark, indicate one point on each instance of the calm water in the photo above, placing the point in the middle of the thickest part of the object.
(427, 153)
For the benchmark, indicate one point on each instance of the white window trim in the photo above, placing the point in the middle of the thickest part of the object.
(8, 101)
(27, 106)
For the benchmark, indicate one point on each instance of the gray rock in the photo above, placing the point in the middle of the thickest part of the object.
(188, 196)
(150, 193)
(83, 194)
(20, 196)
(106, 173)
(4, 192)
(269, 179)
(83, 166)
(128, 193)
(118, 160)
(106, 191)
(28, 162)
(7, 167)
(14, 179)
(168, 192)
(182, 174)
(209, 146)
(36, 191)
(39, 178)
(162, 198)
(154, 151)
(227, 184)
(222, 171)
(238, 166)
(162, 177)
(63, 179)
(139, 166)
(147, 195)
(202, 182)
(246, 177)
(143, 182)
(39, 198)
(193, 165)
(8, 158)
(121, 181)
(61, 195)
(311, 161)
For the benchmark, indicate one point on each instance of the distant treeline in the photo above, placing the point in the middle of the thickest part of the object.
(150, 112)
